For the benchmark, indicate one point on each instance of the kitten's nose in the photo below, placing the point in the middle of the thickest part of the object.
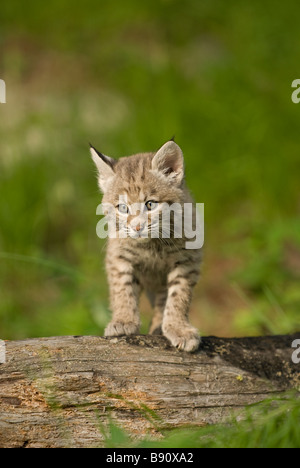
(139, 227)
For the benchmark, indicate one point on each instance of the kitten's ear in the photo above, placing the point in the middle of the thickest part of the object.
(169, 161)
(105, 166)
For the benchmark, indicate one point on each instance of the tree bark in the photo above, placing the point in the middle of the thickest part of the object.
(63, 391)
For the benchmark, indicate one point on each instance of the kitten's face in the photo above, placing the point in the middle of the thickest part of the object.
(137, 189)
(138, 220)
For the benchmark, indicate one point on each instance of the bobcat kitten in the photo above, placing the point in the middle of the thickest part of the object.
(141, 256)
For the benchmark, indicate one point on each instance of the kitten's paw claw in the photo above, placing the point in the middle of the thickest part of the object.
(189, 344)
(121, 328)
(186, 339)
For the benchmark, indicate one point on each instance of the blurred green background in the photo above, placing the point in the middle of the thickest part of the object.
(127, 76)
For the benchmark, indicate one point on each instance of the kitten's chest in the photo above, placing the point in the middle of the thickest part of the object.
(150, 260)
(151, 268)
(150, 263)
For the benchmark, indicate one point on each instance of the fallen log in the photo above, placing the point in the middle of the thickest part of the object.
(62, 391)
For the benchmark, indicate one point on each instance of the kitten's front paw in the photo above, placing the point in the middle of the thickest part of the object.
(185, 339)
(121, 328)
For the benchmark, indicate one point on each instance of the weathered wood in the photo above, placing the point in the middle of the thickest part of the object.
(60, 392)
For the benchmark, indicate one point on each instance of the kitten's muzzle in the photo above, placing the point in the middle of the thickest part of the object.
(139, 227)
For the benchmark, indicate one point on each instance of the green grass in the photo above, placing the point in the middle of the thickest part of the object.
(270, 424)
(127, 76)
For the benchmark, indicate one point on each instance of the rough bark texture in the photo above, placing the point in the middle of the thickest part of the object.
(60, 392)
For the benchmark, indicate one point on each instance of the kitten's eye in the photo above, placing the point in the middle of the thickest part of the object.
(123, 208)
(151, 205)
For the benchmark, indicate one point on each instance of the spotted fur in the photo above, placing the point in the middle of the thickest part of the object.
(164, 268)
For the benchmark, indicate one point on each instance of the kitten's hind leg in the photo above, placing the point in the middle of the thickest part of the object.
(159, 303)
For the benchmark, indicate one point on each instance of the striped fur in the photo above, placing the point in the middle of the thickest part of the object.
(164, 268)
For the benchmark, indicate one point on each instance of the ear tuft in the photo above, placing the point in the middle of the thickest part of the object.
(169, 161)
(105, 166)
